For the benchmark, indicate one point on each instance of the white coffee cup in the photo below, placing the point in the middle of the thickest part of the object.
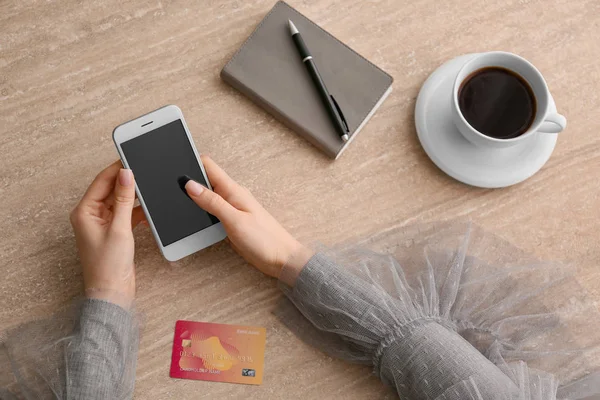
(545, 121)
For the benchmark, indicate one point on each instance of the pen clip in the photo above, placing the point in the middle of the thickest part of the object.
(339, 110)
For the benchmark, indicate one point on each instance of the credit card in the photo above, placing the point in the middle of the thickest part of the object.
(218, 352)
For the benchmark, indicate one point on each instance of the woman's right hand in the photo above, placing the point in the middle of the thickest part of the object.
(253, 232)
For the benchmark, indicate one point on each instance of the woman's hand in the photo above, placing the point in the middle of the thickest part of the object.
(103, 222)
(253, 232)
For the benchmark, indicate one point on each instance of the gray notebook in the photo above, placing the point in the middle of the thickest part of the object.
(267, 68)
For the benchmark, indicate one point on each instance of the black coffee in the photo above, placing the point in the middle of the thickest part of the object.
(497, 102)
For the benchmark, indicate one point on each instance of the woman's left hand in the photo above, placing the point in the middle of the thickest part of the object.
(103, 222)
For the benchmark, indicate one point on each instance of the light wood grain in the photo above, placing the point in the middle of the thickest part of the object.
(70, 71)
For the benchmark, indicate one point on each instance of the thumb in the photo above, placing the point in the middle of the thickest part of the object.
(210, 202)
(124, 199)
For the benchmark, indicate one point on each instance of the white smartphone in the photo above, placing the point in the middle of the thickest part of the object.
(160, 151)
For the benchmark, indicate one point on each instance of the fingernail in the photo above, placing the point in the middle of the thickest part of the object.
(125, 177)
(193, 188)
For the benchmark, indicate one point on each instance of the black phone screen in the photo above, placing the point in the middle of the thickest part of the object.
(158, 160)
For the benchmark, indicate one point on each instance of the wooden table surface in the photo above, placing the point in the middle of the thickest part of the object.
(71, 70)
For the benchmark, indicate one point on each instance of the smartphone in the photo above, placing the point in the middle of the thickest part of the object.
(159, 149)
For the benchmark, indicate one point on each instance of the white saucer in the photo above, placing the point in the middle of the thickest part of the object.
(459, 158)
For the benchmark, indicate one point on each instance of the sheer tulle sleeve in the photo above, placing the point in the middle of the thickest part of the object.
(449, 312)
(87, 351)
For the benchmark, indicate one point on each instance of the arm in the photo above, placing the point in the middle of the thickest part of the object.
(101, 354)
(420, 357)
(87, 351)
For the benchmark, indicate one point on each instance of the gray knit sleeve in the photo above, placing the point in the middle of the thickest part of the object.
(420, 357)
(101, 357)
(85, 351)
(449, 312)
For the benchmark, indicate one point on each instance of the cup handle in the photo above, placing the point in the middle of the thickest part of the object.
(553, 123)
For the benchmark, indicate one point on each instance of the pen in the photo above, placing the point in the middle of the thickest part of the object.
(333, 109)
